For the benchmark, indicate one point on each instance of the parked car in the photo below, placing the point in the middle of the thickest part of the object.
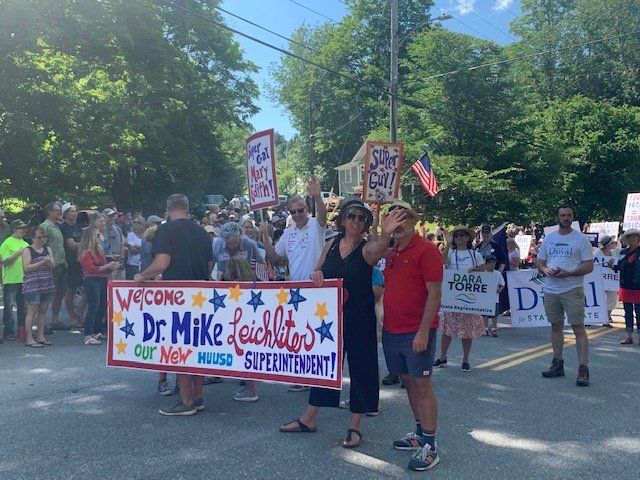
(331, 200)
(219, 200)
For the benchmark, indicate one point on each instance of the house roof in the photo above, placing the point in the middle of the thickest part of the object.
(357, 159)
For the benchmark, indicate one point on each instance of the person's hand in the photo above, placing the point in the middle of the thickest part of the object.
(317, 277)
(263, 229)
(610, 263)
(420, 341)
(448, 237)
(313, 187)
(393, 220)
(138, 278)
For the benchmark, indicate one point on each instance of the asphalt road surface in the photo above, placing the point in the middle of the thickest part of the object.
(66, 415)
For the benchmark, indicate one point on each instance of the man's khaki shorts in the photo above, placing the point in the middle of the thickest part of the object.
(571, 303)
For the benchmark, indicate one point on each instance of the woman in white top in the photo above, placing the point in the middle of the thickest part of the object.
(459, 255)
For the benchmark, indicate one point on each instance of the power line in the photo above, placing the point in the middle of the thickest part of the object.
(313, 11)
(471, 28)
(492, 25)
(267, 30)
(505, 8)
(530, 55)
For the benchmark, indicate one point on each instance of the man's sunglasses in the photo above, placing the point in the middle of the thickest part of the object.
(358, 216)
(299, 210)
(461, 234)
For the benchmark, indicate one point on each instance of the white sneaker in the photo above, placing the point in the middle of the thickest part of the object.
(92, 341)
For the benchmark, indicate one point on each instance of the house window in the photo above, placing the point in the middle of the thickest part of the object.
(347, 176)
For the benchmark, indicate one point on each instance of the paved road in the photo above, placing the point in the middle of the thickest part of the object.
(66, 415)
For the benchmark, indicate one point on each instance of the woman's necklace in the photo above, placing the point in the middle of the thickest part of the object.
(349, 245)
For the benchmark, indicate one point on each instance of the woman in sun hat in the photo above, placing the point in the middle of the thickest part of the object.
(458, 254)
(629, 293)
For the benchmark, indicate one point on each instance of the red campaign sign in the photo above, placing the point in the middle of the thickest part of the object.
(261, 170)
(289, 332)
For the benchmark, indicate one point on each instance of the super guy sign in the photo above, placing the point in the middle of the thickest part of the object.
(469, 292)
(382, 171)
(261, 170)
(285, 332)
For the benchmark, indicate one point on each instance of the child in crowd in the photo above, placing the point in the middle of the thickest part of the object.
(491, 267)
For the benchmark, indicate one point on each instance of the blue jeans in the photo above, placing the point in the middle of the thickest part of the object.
(628, 316)
(13, 297)
(95, 288)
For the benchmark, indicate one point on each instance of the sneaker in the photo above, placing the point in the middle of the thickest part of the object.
(244, 395)
(9, 338)
(424, 459)
(391, 379)
(439, 363)
(199, 404)
(465, 367)
(298, 388)
(99, 336)
(555, 370)
(583, 376)
(178, 409)
(92, 341)
(411, 441)
(344, 404)
(164, 389)
(373, 414)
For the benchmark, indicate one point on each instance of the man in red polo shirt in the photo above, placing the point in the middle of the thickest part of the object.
(413, 279)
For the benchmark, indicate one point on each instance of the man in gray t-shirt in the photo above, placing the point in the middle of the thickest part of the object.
(564, 258)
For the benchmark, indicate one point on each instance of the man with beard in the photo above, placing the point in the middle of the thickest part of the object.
(565, 257)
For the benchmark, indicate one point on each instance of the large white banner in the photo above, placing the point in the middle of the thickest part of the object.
(525, 298)
(465, 292)
(280, 331)
(605, 228)
(632, 212)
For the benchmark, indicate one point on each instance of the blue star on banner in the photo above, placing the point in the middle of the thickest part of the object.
(217, 301)
(255, 301)
(128, 329)
(325, 331)
(296, 298)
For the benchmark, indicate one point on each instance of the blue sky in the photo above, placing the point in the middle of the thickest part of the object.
(488, 19)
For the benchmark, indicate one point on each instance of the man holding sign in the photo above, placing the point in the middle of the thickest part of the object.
(565, 257)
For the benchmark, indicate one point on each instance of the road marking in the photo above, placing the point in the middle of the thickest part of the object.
(541, 350)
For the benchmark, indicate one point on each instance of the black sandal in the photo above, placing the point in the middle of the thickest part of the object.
(298, 428)
(347, 443)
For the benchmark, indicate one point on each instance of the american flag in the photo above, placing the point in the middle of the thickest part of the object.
(426, 176)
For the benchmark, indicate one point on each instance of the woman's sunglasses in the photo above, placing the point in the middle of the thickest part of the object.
(354, 216)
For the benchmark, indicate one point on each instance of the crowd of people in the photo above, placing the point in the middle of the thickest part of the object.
(386, 258)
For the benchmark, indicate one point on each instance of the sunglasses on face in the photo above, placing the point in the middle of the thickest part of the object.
(356, 216)
(299, 210)
(459, 235)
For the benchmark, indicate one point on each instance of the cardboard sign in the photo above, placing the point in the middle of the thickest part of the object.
(605, 228)
(526, 298)
(632, 212)
(288, 332)
(261, 170)
(593, 238)
(382, 171)
(524, 243)
(610, 278)
(469, 292)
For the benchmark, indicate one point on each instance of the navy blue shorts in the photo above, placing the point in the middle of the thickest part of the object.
(402, 360)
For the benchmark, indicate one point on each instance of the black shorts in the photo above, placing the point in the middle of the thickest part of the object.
(402, 360)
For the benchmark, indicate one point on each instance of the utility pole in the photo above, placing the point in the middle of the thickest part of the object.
(393, 79)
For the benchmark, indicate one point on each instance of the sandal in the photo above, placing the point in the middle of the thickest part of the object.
(349, 442)
(33, 345)
(44, 342)
(298, 427)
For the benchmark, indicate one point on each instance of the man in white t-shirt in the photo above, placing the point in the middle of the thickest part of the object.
(564, 258)
(302, 242)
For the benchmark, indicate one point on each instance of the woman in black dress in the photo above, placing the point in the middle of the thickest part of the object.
(350, 257)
